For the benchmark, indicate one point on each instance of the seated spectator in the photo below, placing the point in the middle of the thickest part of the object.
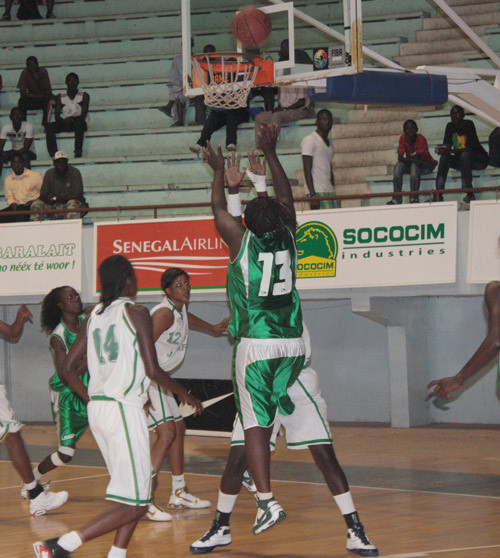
(28, 9)
(494, 146)
(62, 188)
(317, 158)
(74, 106)
(461, 150)
(413, 159)
(35, 88)
(21, 135)
(22, 188)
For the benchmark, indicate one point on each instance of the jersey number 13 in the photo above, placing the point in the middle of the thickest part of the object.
(281, 260)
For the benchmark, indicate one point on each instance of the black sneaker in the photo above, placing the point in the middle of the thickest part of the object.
(358, 543)
(218, 535)
(49, 549)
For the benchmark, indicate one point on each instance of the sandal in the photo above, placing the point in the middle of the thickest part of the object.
(5, 17)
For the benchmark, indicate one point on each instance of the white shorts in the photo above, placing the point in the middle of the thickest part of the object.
(121, 433)
(307, 425)
(8, 424)
(164, 407)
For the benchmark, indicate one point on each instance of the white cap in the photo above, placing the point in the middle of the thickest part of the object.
(60, 155)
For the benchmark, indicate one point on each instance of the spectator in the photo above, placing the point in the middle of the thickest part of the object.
(317, 157)
(22, 188)
(461, 150)
(293, 102)
(35, 88)
(494, 146)
(21, 135)
(413, 159)
(74, 106)
(28, 9)
(62, 188)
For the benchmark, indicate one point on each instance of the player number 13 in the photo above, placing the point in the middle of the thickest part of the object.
(279, 259)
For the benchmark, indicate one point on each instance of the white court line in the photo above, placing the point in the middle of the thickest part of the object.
(60, 480)
(430, 552)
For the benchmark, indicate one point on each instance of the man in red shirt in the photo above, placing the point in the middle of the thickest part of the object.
(413, 159)
(35, 88)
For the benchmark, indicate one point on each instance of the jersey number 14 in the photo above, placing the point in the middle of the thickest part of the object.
(110, 346)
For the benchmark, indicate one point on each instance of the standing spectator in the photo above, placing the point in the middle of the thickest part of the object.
(317, 156)
(413, 159)
(461, 150)
(74, 106)
(28, 9)
(21, 135)
(22, 188)
(62, 188)
(494, 146)
(35, 88)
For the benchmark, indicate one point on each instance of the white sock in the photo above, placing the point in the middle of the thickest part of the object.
(37, 474)
(70, 541)
(225, 503)
(345, 503)
(31, 485)
(264, 495)
(117, 552)
(178, 482)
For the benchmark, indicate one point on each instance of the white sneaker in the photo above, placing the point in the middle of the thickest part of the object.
(196, 149)
(269, 514)
(217, 536)
(182, 499)
(24, 491)
(248, 482)
(358, 542)
(47, 501)
(231, 147)
(155, 513)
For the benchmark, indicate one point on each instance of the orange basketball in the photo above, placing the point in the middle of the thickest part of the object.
(251, 26)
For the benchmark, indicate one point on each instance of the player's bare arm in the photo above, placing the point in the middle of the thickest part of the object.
(14, 330)
(143, 325)
(486, 351)
(218, 328)
(59, 356)
(163, 319)
(268, 136)
(256, 169)
(230, 229)
(71, 367)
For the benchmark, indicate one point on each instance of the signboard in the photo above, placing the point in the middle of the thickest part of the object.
(377, 246)
(36, 257)
(152, 246)
(484, 248)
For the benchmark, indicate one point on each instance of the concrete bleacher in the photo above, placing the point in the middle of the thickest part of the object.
(122, 51)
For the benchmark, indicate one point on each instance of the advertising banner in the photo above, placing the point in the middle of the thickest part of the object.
(192, 244)
(484, 246)
(377, 246)
(36, 257)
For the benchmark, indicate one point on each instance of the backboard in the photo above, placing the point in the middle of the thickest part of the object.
(324, 38)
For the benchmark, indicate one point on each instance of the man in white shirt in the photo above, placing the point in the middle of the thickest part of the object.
(22, 188)
(317, 156)
(21, 134)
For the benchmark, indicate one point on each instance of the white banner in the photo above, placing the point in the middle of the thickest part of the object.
(36, 257)
(484, 236)
(377, 246)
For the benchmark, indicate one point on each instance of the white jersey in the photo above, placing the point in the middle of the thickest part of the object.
(115, 364)
(172, 344)
(72, 107)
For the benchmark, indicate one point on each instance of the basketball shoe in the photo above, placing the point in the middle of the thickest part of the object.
(218, 535)
(358, 543)
(156, 513)
(181, 499)
(49, 549)
(269, 514)
(47, 501)
(248, 482)
(23, 493)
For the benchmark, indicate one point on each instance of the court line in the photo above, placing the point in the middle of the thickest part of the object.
(60, 480)
(430, 552)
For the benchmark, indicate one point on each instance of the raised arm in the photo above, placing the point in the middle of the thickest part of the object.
(218, 328)
(14, 330)
(486, 351)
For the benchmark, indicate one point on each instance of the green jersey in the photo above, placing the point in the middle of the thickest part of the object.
(67, 339)
(261, 288)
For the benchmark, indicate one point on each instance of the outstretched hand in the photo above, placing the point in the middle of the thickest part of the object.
(233, 174)
(444, 386)
(267, 137)
(255, 164)
(189, 399)
(221, 327)
(214, 160)
(24, 313)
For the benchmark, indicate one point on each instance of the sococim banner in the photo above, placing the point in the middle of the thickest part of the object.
(484, 242)
(377, 246)
(36, 257)
(192, 244)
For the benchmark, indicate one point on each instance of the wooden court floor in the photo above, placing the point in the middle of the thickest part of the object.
(423, 492)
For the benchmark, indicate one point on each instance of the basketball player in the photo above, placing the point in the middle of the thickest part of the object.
(118, 340)
(62, 315)
(266, 319)
(40, 501)
(486, 351)
(170, 331)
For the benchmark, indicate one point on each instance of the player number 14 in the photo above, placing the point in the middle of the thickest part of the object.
(280, 259)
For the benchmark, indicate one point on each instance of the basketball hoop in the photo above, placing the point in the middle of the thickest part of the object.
(226, 78)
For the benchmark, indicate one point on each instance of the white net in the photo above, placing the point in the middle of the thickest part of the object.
(226, 79)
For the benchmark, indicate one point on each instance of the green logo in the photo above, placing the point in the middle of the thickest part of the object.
(317, 249)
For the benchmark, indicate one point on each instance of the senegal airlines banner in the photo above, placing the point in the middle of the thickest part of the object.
(377, 246)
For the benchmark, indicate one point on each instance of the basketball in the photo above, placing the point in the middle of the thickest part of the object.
(251, 26)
